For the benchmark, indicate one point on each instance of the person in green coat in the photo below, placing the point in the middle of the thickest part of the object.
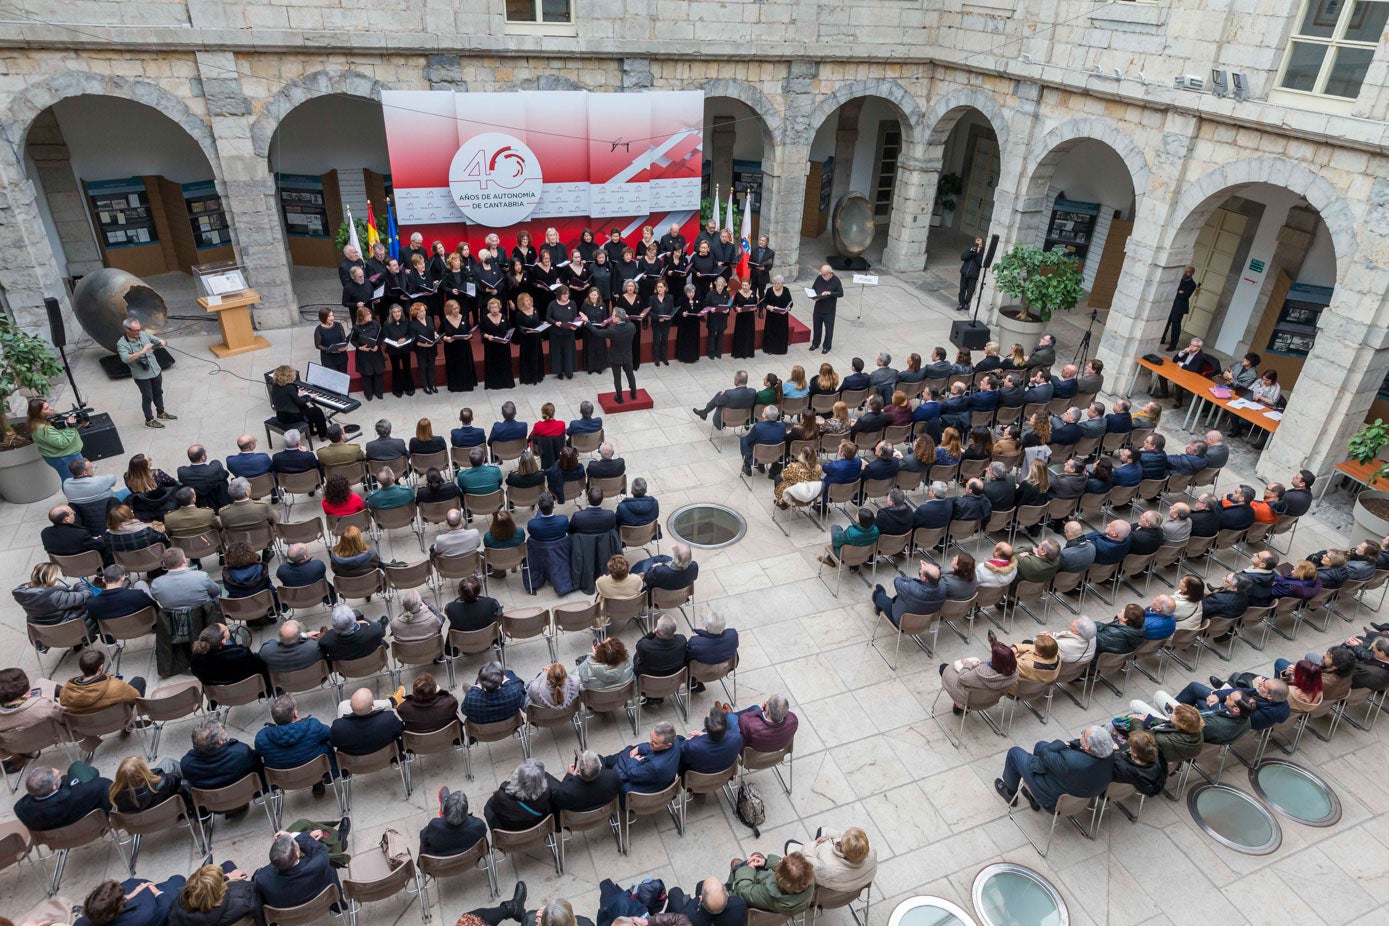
(778, 884)
(58, 446)
(862, 533)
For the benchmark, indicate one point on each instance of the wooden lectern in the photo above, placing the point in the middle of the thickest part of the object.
(234, 317)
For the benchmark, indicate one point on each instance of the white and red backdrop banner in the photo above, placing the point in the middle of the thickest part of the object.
(467, 164)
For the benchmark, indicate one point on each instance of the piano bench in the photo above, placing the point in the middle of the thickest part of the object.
(273, 425)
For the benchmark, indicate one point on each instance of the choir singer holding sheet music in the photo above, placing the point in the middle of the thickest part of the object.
(330, 338)
(776, 334)
(563, 316)
(366, 337)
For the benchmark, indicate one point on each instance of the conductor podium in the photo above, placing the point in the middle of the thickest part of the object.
(224, 291)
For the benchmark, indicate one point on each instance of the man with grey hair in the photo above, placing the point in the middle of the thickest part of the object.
(1094, 424)
(300, 865)
(216, 761)
(496, 695)
(454, 830)
(1177, 528)
(294, 458)
(588, 785)
(351, 636)
(937, 509)
(300, 569)
(458, 540)
(369, 728)
(136, 349)
(649, 766)
(1040, 564)
(999, 489)
(681, 572)
(389, 494)
(660, 652)
(769, 432)
(246, 514)
(883, 379)
(1205, 516)
(711, 644)
(182, 586)
(607, 465)
(1083, 767)
(638, 508)
(1217, 454)
(1077, 642)
(53, 799)
(1145, 536)
(741, 398)
(1078, 554)
(292, 649)
(1111, 545)
(585, 423)
(769, 726)
(385, 447)
(289, 741)
(896, 516)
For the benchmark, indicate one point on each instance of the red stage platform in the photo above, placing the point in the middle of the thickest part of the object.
(799, 334)
(640, 404)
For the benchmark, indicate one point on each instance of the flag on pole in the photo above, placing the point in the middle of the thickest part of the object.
(744, 242)
(373, 236)
(729, 224)
(352, 239)
(392, 233)
(715, 214)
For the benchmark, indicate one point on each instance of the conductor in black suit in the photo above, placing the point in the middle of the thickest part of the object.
(619, 336)
(740, 397)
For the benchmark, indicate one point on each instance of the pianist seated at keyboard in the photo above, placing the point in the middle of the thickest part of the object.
(291, 403)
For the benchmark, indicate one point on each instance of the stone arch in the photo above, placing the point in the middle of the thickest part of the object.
(890, 90)
(1047, 151)
(768, 115)
(292, 94)
(1200, 197)
(26, 106)
(940, 120)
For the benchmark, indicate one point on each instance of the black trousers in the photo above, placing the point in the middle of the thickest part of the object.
(822, 322)
(151, 395)
(371, 385)
(618, 370)
(1174, 324)
(967, 285)
(312, 414)
(716, 330)
(402, 380)
(660, 339)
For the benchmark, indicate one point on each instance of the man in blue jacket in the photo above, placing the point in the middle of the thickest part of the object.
(216, 761)
(1159, 620)
(711, 644)
(585, 423)
(1129, 472)
(954, 411)
(299, 869)
(638, 508)
(1152, 458)
(923, 595)
(1270, 697)
(846, 469)
(769, 431)
(987, 398)
(1039, 389)
(1189, 463)
(1120, 421)
(937, 509)
(467, 436)
(857, 379)
(714, 749)
(289, 742)
(1065, 386)
(1112, 545)
(497, 695)
(885, 462)
(248, 462)
(652, 765)
(1084, 767)
(972, 504)
(547, 525)
(508, 428)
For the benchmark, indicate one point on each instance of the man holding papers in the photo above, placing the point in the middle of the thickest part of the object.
(825, 290)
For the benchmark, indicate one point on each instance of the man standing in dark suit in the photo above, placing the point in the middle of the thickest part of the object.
(970, 262)
(588, 784)
(828, 290)
(769, 431)
(620, 335)
(53, 799)
(760, 266)
(923, 595)
(1181, 305)
(740, 398)
(595, 519)
(367, 729)
(206, 478)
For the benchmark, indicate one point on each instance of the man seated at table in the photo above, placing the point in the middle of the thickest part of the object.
(1194, 360)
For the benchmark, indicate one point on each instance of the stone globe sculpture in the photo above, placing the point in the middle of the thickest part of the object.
(105, 298)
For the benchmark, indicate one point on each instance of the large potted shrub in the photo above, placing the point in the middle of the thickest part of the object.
(26, 362)
(1371, 511)
(1043, 282)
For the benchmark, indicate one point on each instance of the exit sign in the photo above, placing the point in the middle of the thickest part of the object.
(1256, 266)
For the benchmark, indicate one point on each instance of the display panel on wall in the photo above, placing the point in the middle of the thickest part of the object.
(122, 211)
(205, 215)
(467, 164)
(747, 178)
(1296, 329)
(826, 183)
(1071, 227)
(301, 201)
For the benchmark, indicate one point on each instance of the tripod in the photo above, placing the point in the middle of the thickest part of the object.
(1083, 348)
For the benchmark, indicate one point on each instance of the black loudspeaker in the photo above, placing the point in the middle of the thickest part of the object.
(993, 246)
(100, 439)
(55, 322)
(969, 335)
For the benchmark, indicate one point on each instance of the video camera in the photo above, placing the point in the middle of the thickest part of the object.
(82, 414)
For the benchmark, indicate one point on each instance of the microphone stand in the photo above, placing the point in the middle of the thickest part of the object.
(979, 293)
(67, 368)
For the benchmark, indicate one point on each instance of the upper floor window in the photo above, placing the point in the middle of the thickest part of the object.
(1332, 46)
(539, 11)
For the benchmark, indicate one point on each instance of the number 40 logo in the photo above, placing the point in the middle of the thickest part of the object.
(495, 179)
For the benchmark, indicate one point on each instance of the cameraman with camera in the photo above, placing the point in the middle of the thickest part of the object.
(135, 350)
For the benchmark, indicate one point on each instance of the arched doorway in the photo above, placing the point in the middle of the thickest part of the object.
(966, 153)
(123, 185)
(738, 147)
(328, 155)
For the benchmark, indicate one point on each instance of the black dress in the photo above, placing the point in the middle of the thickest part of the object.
(370, 364)
(541, 279)
(512, 287)
(402, 381)
(325, 338)
(532, 346)
(677, 274)
(634, 309)
(744, 325)
(651, 272)
(458, 355)
(491, 284)
(496, 356)
(294, 410)
(687, 332)
(603, 280)
(579, 282)
(454, 285)
(776, 334)
(704, 268)
(526, 255)
(426, 352)
(595, 345)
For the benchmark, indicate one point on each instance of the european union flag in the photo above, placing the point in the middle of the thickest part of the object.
(392, 234)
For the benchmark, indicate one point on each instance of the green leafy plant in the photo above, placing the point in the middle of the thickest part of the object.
(341, 240)
(706, 208)
(26, 362)
(948, 187)
(1367, 442)
(1046, 282)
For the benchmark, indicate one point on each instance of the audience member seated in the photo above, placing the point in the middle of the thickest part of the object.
(999, 489)
(472, 610)
(424, 440)
(861, 533)
(248, 462)
(385, 447)
(24, 706)
(458, 539)
(1177, 528)
(1296, 500)
(454, 830)
(508, 429)
(972, 504)
(565, 471)
(714, 748)
(619, 583)
(1178, 738)
(417, 621)
(1077, 643)
(802, 474)
(1038, 660)
(132, 902)
(435, 489)
(1152, 459)
(244, 575)
(836, 423)
(213, 896)
(923, 595)
(204, 476)
(638, 508)
(523, 800)
(65, 537)
(740, 399)
(585, 423)
(119, 596)
(466, 436)
(998, 570)
(964, 676)
(1371, 663)
(390, 494)
(351, 556)
(427, 708)
(936, 511)
(1223, 722)
(54, 798)
(126, 533)
(1145, 536)
(1236, 512)
(1260, 573)
(339, 451)
(1070, 482)
(479, 477)
(94, 690)
(294, 458)
(292, 649)
(680, 573)
(608, 466)
(1111, 546)
(351, 636)
(1124, 634)
(503, 533)
(299, 868)
(182, 586)
(219, 660)
(1039, 565)
(1140, 764)
(339, 500)
(1099, 477)
(660, 652)
(498, 694)
(898, 410)
(1129, 472)
(1230, 600)
(649, 766)
(1083, 767)
(959, 580)
(845, 469)
(244, 513)
(1270, 696)
(1035, 489)
(769, 431)
(151, 489)
(587, 785)
(872, 420)
(554, 688)
(606, 667)
(1205, 516)
(290, 741)
(1078, 554)
(784, 885)
(949, 450)
(711, 644)
(843, 862)
(527, 474)
(368, 728)
(1302, 582)
(216, 761)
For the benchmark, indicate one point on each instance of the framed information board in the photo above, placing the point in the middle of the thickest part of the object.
(747, 178)
(122, 212)
(1071, 227)
(302, 203)
(1296, 329)
(205, 215)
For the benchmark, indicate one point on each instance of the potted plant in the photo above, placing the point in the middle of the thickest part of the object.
(1371, 511)
(948, 187)
(26, 362)
(343, 236)
(1043, 282)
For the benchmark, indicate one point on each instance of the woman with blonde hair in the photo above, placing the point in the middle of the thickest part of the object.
(838, 423)
(426, 345)
(795, 385)
(527, 474)
(47, 599)
(1016, 359)
(136, 787)
(553, 688)
(843, 862)
(58, 444)
(949, 450)
(804, 469)
(1034, 488)
(151, 489)
(292, 405)
(826, 383)
(213, 896)
(1147, 417)
(351, 556)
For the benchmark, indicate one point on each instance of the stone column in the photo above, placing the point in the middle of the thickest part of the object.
(1014, 172)
(912, 197)
(784, 170)
(28, 265)
(49, 152)
(248, 193)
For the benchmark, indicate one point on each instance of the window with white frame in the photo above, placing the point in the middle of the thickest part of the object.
(1332, 46)
(540, 11)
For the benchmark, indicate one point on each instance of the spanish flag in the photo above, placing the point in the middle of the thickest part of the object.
(373, 235)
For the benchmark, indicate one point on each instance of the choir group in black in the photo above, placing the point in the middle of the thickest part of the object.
(435, 299)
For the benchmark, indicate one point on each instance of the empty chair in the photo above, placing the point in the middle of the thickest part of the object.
(61, 840)
(351, 766)
(645, 803)
(171, 702)
(307, 776)
(578, 821)
(542, 832)
(495, 732)
(308, 913)
(78, 565)
(30, 741)
(606, 700)
(238, 794)
(1068, 806)
(93, 726)
(675, 686)
(374, 876)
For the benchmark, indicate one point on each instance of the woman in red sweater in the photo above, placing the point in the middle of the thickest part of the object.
(339, 500)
